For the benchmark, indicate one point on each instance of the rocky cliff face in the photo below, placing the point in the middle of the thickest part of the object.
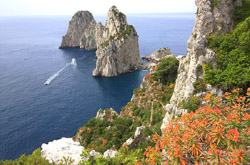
(211, 17)
(56, 150)
(117, 46)
(88, 39)
(81, 21)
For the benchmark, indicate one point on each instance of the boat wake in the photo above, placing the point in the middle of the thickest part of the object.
(51, 78)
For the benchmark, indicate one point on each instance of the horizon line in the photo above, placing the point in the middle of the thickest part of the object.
(97, 14)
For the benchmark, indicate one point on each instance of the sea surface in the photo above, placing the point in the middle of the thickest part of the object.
(32, 113)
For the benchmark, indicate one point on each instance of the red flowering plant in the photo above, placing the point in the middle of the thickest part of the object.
(217, 133)
(148, 75)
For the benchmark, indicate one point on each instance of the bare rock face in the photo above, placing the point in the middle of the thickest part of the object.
(110, 154)
(209, 19)
(77, 26)
(132, 142)
(117, 46)
(159, 54)
(56, 150)
(89, 38)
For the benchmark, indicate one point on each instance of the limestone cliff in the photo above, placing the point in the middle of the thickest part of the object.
(117, 46)
(56, 150)
(77, 26)
(89, 38)
(211, 17)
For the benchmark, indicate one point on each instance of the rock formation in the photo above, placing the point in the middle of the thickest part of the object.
(110, 154)
(107, 114)
(117, 46)
(65, 147)
(132, 142)
(159, 54)
(154, 58)
(211, 17)
(88, 39)
(80, 22)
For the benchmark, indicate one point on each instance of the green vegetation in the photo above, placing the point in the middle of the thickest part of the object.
(34, 158)
(199, 68)
(214, 3)
(125, 156)
(233, 58)
(105, 44)
(242, 12)
(102, 135)
(128, 29)
(191, 105)
(199, 85)
(167, 70)
(147, 109)
(195, 35)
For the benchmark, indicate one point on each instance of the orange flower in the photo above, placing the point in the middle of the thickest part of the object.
(239, 154)
(218, 98)
(248, 91)
(234, 161)
(227, 95)
(233, 135)
(241, 99)
(104, 142)
(227, 108)
(138, 163)
(208, 97)
(246, 117)
(210, 152)
(236, 90)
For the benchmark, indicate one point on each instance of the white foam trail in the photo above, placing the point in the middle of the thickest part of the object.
(48, 81)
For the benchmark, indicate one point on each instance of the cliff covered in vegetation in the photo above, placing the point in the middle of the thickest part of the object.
(201, 102)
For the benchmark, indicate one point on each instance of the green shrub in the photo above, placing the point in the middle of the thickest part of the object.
(114, 133)
(146, 115)
(191, 105)
(242, 12)
(233, 58)
(125, 156)
(167, 70)
(34, 158)
(167, 96)
(199, 68)
(199, 85)
(157, 117)
(195, 35)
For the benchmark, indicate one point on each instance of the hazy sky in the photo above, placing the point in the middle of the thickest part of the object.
(69, 7)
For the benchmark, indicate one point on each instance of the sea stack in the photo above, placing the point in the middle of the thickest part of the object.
(117, 46)
(81, 21)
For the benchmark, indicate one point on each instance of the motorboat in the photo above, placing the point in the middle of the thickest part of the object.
(73, 62)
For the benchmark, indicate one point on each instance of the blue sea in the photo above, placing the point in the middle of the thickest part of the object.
(32, 113)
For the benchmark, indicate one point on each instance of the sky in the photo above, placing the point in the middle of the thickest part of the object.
(97, 7)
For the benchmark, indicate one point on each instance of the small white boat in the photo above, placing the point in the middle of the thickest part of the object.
(73, 62)
(46, 83)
